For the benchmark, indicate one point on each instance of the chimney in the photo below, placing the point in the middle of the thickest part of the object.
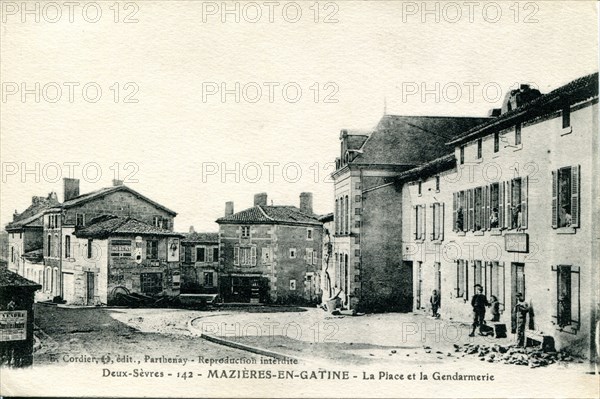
(15, 215)
(515, 98)
(229, 208)
(53, 197)
(71, 188)
(192, 229)
(117, 182)
(494, 112)
(260, 199)
(306, 203)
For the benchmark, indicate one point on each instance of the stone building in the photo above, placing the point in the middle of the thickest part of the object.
(200, 263)
(368, 208)
(519, 214)
(122, 255)
(271, 253)
(55, 250)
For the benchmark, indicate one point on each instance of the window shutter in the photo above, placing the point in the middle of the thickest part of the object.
(501, 204)
(454, 210)
(315, 258)
(575, 186)
(486, 204)
(524, 201)
(236, 256)
(423, 223)
(441, 218)
(508, 207)
(575, 297)
(555, 269)
(416, 230)
(433, 214)
(253, 256)
(554, 199)
(209, 255)
(472, 209)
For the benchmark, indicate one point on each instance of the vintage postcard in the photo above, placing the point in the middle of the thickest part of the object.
(315, 198)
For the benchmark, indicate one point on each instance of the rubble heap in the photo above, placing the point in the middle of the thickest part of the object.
(511, 354)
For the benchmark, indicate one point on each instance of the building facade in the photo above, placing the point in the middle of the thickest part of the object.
(200, 263)
(368, 210)
(271, 254)
(519, 214)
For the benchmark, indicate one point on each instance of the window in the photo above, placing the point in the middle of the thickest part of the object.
(309, 234)
(215, 253)
(479, 276)
(292, 253)
(244, 256)
(518, 134)
(187, 254)
(496, 281)
(12, 254)
(462, 154)
(156, 221)
(420, 186)
(151, 283)
(357, 211)
(337, 218)
(357, 185)
(437, 231)
(245, 231)
(494, 218)
(292, 285)
(79, 219)
(208, 279)
(200, 254)
(496, 141)
(461, 279)
(357, 198)
(565, 197)
(459, 213)
(67, 246)
(120, 248)
(437, 184)
(266, 255)
(152, 249)
(478, 211)
(566, 117)
(49, 246)
(419, 231)
(90, 244)
(567, 296)
(309, 255)
(347, 215)
(479, 148)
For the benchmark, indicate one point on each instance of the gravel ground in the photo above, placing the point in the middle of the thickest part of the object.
(102, 331)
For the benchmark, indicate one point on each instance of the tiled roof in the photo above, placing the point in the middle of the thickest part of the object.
(411, 140)
(200, 237)
(577, 90)
(430, 168)
(113, 225)
(31, 215)
(107, 190)
(35, 256)
(12, 279)
(326, 218)
(279, 214)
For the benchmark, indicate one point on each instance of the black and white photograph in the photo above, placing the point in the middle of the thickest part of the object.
(299, 199)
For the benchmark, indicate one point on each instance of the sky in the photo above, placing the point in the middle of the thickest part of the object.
(197, 103)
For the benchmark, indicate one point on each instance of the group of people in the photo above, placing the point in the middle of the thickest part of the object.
(479, 303)
(517, 218)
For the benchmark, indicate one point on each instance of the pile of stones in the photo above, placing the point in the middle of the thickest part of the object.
(510, 354)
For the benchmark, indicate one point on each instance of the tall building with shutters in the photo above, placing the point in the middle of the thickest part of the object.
(519, 214)
(271, 253)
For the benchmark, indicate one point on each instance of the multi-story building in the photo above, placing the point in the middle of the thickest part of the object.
(519, 214)
(368, 210)
(200, 263)
(59, 222)
(115, 255)
(26, 243)
(271, 253)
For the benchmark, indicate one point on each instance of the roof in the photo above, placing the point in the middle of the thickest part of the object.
(274, 214)
(30, 216)
(82, 199)
(577, 90)
(326, 218)
(446, 162)
(196, 237)
(116, 225)
(35, 256)
(411, 140)
(12, 279)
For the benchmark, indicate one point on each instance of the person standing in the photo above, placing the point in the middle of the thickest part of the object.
(521, 311)
(495, 308)
(479, 303)
(435, 303)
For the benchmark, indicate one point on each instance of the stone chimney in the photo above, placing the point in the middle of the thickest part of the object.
(192, 229)
(229, 208)
(71, 188)
(117, 182)
(260, 199)
(306, 203)
(15, 215)
(494, 112)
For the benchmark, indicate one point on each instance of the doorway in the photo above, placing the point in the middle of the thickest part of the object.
(517, 284)
(90, 288)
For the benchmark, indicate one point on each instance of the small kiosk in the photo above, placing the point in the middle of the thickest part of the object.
(16, 319)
